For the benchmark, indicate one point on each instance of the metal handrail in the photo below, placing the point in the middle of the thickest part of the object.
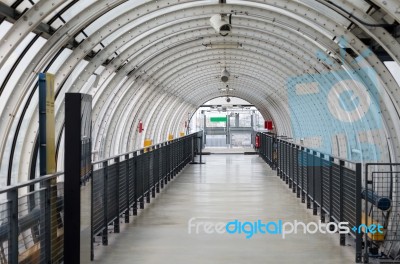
(311, 149)
(30, 182)
(158, 145)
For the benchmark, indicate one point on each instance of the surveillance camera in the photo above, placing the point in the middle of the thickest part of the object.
(220, 25)
(225, 75)
(228, 100)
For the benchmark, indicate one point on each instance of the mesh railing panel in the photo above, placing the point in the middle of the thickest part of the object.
(349, 196)
(122, 185)
(336, 191)
(4, 231)
(129, 184)
(98, 201)
(326, 187)
(31, 212)
(57, 219)
(132, 181)
(327, 183)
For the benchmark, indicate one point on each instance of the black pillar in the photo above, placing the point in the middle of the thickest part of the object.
(77, 133)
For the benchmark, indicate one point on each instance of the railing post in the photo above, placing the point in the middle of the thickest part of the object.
(117, 183)
(105, 204)
(45, 223)
(156, 170)
(314, 164)
(279, 155)
(284, 162)
(358, 211)
(288, 158)
(160, 168)
(153, 189)
(92, 239)
(298, 171)
(12, 197)
(201, 149)
(342, 236)
(308, 179)
(163, 166)
(169, 159)
(303, 167)
(141, 175)
(192, 144)
(331, 160)
(147, 168)
(321, 166)
(367, 182)
(293, 163)
(127, 188)
(173, 158)
(135, 183)
(180, 158)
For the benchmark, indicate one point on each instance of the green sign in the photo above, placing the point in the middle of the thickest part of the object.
(218, 119)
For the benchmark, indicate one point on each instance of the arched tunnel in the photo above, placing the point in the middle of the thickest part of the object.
(323, 71)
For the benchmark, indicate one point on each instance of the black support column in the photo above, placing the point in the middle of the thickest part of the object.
(77, 134)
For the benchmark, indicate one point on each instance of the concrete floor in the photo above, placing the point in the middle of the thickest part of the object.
(227, 187)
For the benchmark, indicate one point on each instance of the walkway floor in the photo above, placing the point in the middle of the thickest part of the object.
(227, 187)
(223, 150)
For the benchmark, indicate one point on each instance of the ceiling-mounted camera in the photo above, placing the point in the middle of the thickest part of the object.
(221, 25)
(225, 75)
(228, 100)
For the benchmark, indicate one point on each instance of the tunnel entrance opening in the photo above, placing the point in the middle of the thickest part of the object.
(229, 125)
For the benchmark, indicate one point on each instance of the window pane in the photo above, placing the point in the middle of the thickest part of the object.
(76, 8)
(60, 60)
(23, 6)
(55, 12)
(4, 28)
(394, 69)
(9, 64)
(113, 13)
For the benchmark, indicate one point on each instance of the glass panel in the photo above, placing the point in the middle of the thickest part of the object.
(30, 113)
(97, 48)
(245, 120)
(60, 60)
(71, 79)
(9, 64)
(55, 12)
(394, 69)
(23, 6)
(113, 13)
(57, 23)
(24, 126)
(20, 69)
(87, 87)
(76, 8)
(80, 37)
(4, 28)
(99, 70)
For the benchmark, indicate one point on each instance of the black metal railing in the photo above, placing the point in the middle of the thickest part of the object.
(124, 183)
(32, 213)
(31, 217)
(329, 185)
(381, 202)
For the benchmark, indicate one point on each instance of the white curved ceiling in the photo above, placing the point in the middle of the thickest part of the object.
(157, 61)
